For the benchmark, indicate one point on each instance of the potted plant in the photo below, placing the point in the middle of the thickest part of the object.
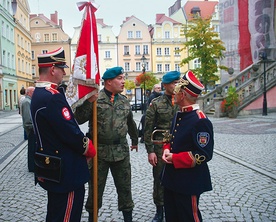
(231, 102)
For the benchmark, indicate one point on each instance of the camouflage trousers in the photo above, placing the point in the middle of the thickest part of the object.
(158, 189)
(121, 173)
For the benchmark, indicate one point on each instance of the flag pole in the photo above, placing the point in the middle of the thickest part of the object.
(95, 163)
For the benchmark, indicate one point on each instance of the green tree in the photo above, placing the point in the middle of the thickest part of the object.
(147, 79)
(129, 84)
(203, 43)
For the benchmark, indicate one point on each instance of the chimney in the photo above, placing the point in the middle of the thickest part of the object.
(60, 23)
(54, 17)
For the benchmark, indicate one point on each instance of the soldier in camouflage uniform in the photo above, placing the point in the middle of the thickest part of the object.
(159, 115)
(115, 120)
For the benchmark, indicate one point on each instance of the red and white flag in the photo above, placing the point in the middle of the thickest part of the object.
(85, 79)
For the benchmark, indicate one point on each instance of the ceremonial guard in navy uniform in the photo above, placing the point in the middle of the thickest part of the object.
(114, 121)
(159, 117)
(186, 152)
(62, 149)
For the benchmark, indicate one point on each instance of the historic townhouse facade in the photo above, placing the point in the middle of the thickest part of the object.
(23, 40)
(8, 78)
(48, 35)
(166, 44)
(134, 41)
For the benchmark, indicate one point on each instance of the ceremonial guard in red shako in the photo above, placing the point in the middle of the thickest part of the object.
(62, 149)
(188, 149)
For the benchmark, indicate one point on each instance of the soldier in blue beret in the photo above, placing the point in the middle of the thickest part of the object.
(186, 152)
(171, 76)
(159, 116)
(59, 136)
(113, 72)
(115, 121)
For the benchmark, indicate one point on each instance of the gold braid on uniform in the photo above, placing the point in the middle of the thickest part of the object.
(85, 141)
(167, 136)
(182, 82)
(199, 159)
(58, 59)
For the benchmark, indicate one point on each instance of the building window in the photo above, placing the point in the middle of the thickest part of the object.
(107, 54)
(33, 55)
(177, 67)
(54, 37)
(33, 70)
(127, 67)
(145, 49)
(167, 67)
(4, 58)
(158, 52)
(197, 63)
(159, 67)
(19, 65)
(44, 51)
(146, 66)
(167, 34)
(126, 50)
(8, 61)
(46, 38)
(138, 66)
(99, 37)
(137, 50)
(138, 34)
(130, 34)
(167, 51)
(3, 29)
(176, 51)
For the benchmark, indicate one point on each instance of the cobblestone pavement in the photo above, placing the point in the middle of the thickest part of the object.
(242, 169)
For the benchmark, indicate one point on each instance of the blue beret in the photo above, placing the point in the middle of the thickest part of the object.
(113, 72)
(171, 76)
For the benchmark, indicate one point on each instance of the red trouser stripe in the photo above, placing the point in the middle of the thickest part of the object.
(194, 208)
(69, 207)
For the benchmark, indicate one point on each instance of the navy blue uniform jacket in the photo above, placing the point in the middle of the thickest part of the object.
(192, 139)
(58, 134)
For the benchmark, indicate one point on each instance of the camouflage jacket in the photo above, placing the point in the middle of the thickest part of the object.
(159, 115)
(114, 121)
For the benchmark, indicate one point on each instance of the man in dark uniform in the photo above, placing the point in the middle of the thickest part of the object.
(190, 146)
(159, 116)
(115, 121)
(58, 134)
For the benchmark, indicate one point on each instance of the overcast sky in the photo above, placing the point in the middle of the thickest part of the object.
(112, 11)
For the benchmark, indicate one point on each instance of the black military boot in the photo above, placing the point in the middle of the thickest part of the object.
(159, 214)
(127, 216)
(90, 217)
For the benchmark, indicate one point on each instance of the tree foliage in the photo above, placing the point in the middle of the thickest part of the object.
(203, 43)
(129, 84)
(147, 79)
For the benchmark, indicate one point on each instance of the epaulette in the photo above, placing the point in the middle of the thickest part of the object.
(52, 90)
(201, 114)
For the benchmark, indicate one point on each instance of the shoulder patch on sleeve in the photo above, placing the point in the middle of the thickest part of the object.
(201, 115)
(52, 90)
(65, 113)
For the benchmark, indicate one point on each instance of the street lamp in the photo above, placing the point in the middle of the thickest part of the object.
(143, 59)
(263, 57)
(14, 7)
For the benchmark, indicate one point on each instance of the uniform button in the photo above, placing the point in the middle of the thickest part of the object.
(179, 119)
(56, 151)
(175, 130)
(171, 142)
(41, 149)
(177, 124)
(173, 137)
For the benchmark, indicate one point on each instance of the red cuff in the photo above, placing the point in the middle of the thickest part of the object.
(166, 146)
(91, 151)
(183, 160)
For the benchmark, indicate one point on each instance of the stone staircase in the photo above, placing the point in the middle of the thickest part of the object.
(249, 84)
